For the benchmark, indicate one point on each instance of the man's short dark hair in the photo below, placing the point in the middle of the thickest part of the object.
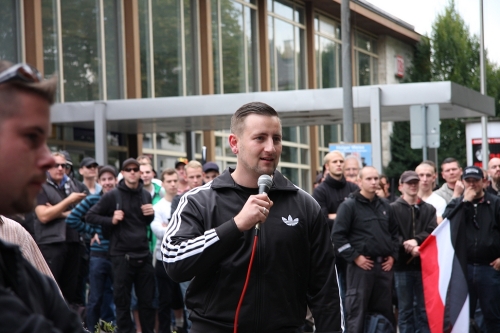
(450, 160)
(244, 111)
(168, 172)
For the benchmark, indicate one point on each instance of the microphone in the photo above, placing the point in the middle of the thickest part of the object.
(265, 182)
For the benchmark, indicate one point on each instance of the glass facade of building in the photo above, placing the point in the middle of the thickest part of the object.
(84, 42)
(10, 31)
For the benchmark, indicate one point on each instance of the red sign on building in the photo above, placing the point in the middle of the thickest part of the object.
(400, 67)
(494, 148)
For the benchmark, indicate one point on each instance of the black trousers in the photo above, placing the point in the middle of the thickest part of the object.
(367, 292)
(126, 274)
(170, 297)
(63, 259)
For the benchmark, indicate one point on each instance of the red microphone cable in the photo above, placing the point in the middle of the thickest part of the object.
(238, 308)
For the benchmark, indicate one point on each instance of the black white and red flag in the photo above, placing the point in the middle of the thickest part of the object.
(444, 276)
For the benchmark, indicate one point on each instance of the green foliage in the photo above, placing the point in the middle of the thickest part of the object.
(450, 54)
(455, 53)
(104, 327)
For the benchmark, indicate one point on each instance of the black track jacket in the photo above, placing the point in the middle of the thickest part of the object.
(130, 235)
(365, 227)
(483, 240)
(415, 222)
(293, 265)
(331, 193)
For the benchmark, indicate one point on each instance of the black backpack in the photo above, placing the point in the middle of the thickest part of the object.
(377, 323)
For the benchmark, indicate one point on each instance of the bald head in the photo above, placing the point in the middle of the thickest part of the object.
(494, 170)
(368, 181)
(334, 163)
(365, 170)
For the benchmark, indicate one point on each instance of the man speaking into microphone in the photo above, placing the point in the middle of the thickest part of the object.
(211, 236)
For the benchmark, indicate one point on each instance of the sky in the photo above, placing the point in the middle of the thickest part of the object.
(422, 14)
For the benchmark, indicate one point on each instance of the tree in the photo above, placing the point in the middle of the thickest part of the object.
(450, 54)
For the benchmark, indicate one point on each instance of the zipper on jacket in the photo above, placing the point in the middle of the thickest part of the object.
(413, 220)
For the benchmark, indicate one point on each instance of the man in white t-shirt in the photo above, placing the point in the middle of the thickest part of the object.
(170, 296)
(427, 173)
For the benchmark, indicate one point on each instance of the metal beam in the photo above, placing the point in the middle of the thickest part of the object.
(296, 108)
(376, 128)
(100, 133)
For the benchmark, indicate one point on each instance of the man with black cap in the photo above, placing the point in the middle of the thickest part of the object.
(180, 166)
(88, 170)
(481, 224)
(126, 212)
(100, 302)
(416, 220)
(210, 171)
(71, 173)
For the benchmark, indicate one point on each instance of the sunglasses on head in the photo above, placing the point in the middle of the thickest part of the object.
(131, 169)
(21, 72)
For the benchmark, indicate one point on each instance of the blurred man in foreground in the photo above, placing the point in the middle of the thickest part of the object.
(30, 301)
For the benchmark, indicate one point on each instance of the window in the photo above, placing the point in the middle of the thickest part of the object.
(81, 43)
(286, 45)
(9, 31)
(168, 44)
(328, 69)
(234, 32)
(365, 50)
(295, 162)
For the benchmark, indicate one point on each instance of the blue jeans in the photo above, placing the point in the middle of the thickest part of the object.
(100, 303)
(409, 289)
(484, 285)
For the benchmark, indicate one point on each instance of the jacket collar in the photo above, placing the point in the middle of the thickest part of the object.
(402, 201)
(280, 183)
(332, 182)
(358, 196)
(123, 187)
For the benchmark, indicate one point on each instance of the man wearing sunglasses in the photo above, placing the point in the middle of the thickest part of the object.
(125, 213)
(88, 170)
(59, 244)
(30, 301)
(481, 226)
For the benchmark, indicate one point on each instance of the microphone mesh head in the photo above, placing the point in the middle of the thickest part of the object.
(265, 180)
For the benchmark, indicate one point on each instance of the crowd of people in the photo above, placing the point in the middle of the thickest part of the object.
(377, 241)
(194, 250)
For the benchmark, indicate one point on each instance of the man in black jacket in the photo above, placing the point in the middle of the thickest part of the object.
(330, 194)
(366, 236)
(416, 220)
(482, 228)
(334, 189)
(125, 213)
(29, 300)
(211, 235)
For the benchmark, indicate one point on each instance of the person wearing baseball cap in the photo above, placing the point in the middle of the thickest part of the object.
(479, 218)
(100, 272)
(127, 213)
(180, 165)
(88, 170)
(416, 220)
(210, 171)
